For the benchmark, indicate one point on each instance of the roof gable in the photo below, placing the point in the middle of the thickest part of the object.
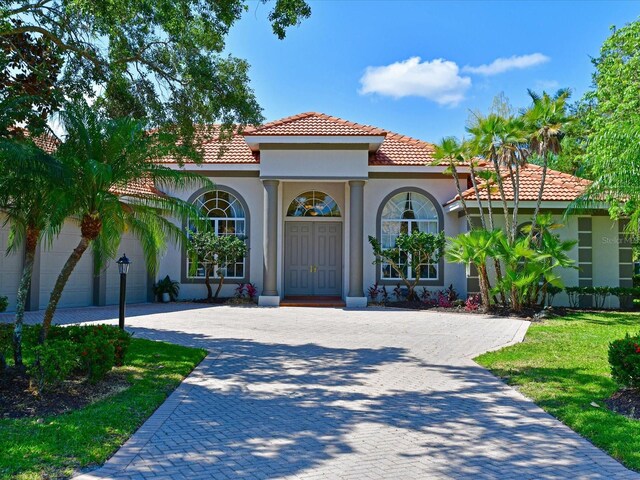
(314, 124)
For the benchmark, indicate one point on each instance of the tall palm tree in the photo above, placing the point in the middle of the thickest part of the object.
(547, 119)
(114, 180)
(451, 151)
(31, 183)
(485, 135)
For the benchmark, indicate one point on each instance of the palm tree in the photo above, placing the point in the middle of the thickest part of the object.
(30, 185)
(485, 141)
(106, 158)
(475, 248)
(451, 150)
(547, 120)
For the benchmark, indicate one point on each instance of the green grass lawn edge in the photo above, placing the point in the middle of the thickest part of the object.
(562, 366)
(58, 446)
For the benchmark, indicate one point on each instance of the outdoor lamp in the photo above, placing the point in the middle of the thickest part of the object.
(123, 267)
(123, 264)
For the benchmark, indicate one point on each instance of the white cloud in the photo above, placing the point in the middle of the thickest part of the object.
(438, 80)
(501, 65)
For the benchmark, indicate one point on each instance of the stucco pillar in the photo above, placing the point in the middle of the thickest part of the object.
(356, 297)
(270, 296)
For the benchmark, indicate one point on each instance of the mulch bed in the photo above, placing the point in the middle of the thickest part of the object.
(625, 402)
(18, 399)
(225, 301)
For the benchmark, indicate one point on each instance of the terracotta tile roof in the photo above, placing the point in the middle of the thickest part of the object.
(402, 150)
(558, 186)
(313, 123)
(139, 188)
(215, 150)
(396, 149)
(47, 142)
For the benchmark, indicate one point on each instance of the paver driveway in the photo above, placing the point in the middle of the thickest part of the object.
(323, 393)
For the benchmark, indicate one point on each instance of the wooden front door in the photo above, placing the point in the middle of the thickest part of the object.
(313, 258)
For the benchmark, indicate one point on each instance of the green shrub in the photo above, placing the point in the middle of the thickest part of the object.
(6, 343)
(4, 303)
(97, 355)
(624, 358)
(119, 339)
(96, 349)
(53, 362)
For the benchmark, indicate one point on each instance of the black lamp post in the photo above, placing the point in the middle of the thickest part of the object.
(123, 267)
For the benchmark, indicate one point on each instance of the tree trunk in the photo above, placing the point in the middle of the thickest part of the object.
(456, 179)
(503, 197)
(219, 286)
(56, 293)
(545, 164)
(207, 282)
(484, 287)
(477, 192)
(496, 262)
(23, 290)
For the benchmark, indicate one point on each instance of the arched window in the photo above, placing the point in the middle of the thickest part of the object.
(228, 216)
(313, 204)
(407, 212)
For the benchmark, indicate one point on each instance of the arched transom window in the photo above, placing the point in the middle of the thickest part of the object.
(227, 216)
(313, 204)
(407, 212)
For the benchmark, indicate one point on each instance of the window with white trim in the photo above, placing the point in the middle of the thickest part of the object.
(225, 213)
(407, 212)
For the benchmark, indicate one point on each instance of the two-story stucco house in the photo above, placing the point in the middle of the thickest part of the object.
(306, 192)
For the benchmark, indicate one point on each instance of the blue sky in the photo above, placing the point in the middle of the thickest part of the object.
(358, 59)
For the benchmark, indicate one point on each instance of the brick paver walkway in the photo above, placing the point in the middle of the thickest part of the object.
(333, 394)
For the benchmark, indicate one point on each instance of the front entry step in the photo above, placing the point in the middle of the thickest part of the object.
(313, 301)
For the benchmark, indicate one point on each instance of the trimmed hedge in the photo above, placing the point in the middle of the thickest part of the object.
(625, 295)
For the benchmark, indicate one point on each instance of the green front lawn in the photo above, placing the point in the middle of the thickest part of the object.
(562, 365)
(56, 446)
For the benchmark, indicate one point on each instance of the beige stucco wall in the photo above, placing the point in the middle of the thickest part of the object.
(10, 267)
(339, 164)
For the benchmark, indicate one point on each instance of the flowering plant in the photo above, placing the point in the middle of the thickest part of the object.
(624, 358)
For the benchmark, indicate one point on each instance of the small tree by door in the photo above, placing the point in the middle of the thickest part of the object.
(213, 252)
(416, 251)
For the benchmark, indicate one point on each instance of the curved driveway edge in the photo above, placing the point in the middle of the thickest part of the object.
(323, 393)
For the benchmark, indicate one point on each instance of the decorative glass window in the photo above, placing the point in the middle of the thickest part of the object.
(227, 217)
(407, 212)
(313, 204)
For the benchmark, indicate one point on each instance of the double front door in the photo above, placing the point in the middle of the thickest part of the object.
(313, 258)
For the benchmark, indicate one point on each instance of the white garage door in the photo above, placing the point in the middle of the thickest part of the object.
(79, 289)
